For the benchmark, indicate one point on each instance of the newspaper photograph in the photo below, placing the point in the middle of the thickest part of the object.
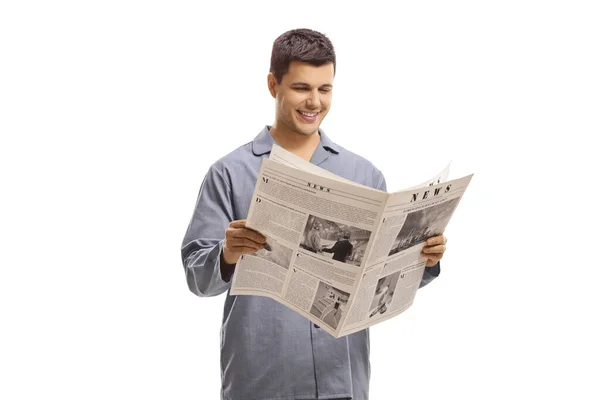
(343, 243)
(329, 304)
(343, 255)
(423, 224)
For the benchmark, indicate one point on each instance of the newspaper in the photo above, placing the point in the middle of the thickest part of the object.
(344, 255)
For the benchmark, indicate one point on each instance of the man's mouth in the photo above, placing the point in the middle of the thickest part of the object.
(308, 116)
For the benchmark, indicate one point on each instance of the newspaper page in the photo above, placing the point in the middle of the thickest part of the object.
(330, 241)
(395, 268)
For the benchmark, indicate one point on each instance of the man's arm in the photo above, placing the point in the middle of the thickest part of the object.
(205, 236)
(331, 249)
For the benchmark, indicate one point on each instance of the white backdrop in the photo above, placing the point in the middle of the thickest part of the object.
(111, 113)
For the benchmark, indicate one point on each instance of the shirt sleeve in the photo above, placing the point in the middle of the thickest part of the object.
(333, 248)
(430, 273)
(205, 236)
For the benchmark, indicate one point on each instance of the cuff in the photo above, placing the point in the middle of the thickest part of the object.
(429, 274)
(228, 267)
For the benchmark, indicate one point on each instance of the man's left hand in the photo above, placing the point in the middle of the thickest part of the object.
(434, 249)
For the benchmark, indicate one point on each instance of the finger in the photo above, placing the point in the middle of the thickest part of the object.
(440, 239)
(245, 250)
(249, 234)
(434, 249)
(243, 242)
(238, 251)
(256, 236)
(434, 259)
(240, 223)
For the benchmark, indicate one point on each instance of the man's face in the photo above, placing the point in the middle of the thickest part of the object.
(303, 96)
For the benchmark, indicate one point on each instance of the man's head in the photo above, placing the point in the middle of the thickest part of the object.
(301, 79)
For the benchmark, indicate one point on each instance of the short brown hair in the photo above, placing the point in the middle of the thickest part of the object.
(300, 45)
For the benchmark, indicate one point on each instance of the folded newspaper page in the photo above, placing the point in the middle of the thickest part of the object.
(344, 255)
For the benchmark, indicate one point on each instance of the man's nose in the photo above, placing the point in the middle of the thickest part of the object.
(314, 100)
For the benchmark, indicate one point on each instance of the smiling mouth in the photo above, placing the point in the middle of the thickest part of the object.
(308, 114)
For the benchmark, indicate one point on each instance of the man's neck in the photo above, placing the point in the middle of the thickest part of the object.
(301, 145)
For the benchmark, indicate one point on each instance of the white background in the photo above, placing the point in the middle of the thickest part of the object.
(111, 113)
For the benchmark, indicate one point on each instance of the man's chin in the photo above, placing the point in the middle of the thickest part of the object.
(307, 131)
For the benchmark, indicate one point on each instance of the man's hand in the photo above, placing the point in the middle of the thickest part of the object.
(241, 240)
(434, 249)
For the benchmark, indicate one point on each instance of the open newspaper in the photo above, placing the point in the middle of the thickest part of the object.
(344, 255)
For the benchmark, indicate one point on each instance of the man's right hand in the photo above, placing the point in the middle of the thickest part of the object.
(241, 240)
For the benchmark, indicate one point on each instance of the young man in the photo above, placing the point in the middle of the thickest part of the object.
(269, 351)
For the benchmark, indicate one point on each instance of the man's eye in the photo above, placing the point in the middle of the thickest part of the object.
(302, 89)
(325, 90)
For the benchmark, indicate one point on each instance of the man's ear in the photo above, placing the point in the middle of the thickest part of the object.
(272, 84)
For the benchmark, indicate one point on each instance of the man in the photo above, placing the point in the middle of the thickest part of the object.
(341, 249)
(313, 239)
(269, 351)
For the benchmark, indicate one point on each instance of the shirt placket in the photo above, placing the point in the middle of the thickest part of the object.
(333, 375)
